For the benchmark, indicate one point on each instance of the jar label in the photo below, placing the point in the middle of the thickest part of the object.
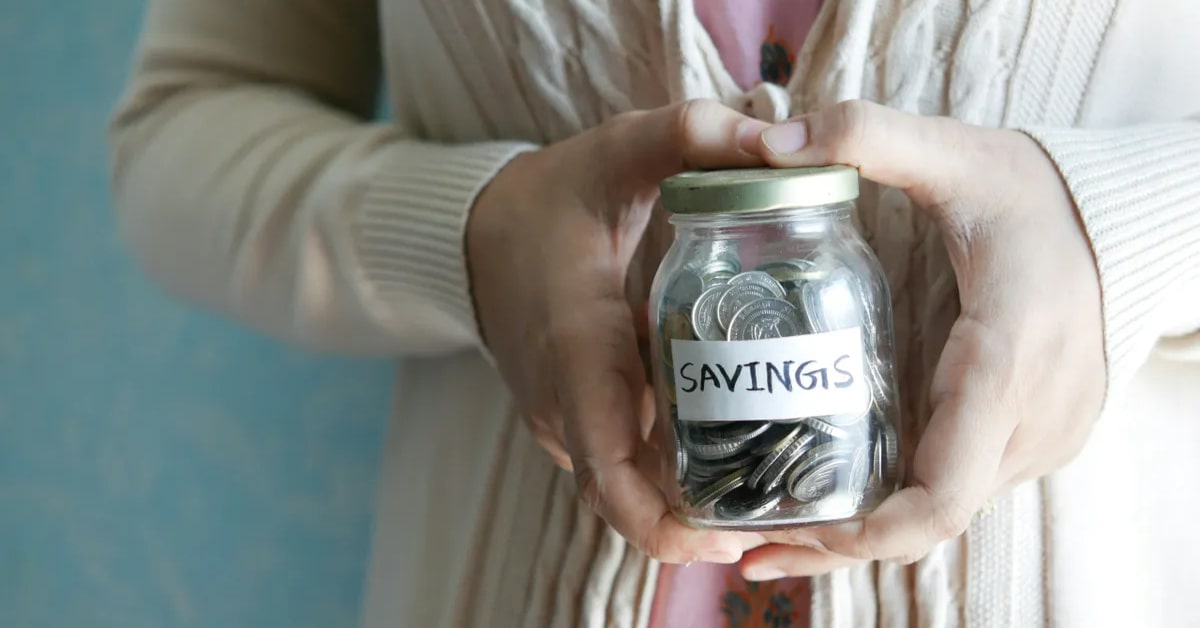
(794, 377)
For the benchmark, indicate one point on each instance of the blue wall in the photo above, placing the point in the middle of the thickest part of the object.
(158, 466)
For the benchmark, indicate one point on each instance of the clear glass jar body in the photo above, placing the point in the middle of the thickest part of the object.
(772, 360)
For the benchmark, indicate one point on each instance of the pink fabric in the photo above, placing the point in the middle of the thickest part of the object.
(758, 40)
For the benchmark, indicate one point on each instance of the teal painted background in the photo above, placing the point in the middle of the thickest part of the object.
(158, 466)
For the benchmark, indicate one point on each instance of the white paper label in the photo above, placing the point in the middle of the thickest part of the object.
(778, 378)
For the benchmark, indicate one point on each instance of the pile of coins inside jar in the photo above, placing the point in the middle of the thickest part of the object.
(805, 469)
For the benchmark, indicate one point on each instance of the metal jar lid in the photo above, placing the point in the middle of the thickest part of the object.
(758, 189)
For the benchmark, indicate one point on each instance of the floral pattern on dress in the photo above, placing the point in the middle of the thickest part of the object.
(776, 60)
(774, 604)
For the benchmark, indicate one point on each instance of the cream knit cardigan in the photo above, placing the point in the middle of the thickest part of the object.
(249, 180)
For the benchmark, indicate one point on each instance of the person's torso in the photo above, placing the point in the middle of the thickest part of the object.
(543, 70)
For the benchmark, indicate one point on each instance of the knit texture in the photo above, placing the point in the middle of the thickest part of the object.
(409, 230)
(249, 179)
(1139, 199)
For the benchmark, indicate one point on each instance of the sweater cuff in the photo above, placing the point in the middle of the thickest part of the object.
(1137, 191)
(409, 232)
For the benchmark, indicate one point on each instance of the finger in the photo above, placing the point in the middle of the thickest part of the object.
(771, 562)
(956, 463)
(697, 134)
(552, 442)
(599, 382)
(924, 156)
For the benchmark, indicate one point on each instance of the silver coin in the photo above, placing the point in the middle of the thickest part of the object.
(724, 263)
(793, 270)
(681, 457)
(747, 505)
(818, 476)
(878, 382)
(891, 452)
(715, 443)
(738, 297)
(770, 439)
(765, 318)
(823, 426)
(685, 288)
(860, 469)
(704, 315)
(795, 296)
(774, 454)
(878, 466)
(758, 278)
(719, 278)
(709, 494)
(794, 453)
(832, 303)
(704, 471)
(732, 431)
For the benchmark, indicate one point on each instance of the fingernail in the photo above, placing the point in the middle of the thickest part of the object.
(723, 557)
(748, 132)
(787, 137)
(763, 573)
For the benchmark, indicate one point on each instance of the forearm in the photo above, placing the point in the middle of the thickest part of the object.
(247, 179)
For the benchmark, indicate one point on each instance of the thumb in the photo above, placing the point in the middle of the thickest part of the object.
(692, 135)
(923, 156)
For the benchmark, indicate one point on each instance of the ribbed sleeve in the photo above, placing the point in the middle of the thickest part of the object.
(1138, 194)
(249, 178)
(409, 230)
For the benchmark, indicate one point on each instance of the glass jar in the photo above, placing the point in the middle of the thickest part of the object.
(772, 340)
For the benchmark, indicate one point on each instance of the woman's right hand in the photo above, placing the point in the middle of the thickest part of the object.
(549, 244)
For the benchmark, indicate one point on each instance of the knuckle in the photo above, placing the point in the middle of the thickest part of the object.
(657, 547)
(850, 121)
(950, 519)
(590, 487)
(690, 119)
(854, 540)
(859, 546)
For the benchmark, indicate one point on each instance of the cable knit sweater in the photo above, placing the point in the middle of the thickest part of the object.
(250, 180)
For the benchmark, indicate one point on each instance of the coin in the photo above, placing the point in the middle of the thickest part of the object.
(681, 457)
(758, 278)
(737, 297)
(744, 504)
(832, 303)
(880, 387)
(704, 315)
(717, 279)
(823, 426)
(685, 288)
(765, 318)
(818, 476)
(709, 494)
(774, 454)
(726, 263)
(795, 271)
(891, 452)
(795, 452)
(720, 442)
(860, 469)
(704, 471)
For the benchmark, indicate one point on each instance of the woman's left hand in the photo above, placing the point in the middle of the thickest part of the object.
(1022, 376)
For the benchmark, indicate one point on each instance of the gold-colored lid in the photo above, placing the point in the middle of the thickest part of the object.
(758, 189)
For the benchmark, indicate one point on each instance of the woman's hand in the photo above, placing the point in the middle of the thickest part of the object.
(549, 244)
(1022, 376)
